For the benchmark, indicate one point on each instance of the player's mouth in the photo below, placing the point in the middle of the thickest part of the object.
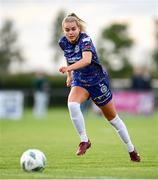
(72, 39)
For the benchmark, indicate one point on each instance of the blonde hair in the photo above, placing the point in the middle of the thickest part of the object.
(73, 17)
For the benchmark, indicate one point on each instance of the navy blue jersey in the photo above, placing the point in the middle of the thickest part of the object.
(89, 75)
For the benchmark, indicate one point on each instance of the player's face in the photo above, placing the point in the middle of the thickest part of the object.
(71, 31)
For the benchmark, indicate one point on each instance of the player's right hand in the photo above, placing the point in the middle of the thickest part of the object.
(68, 81)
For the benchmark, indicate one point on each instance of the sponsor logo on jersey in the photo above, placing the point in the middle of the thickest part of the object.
(73, 59)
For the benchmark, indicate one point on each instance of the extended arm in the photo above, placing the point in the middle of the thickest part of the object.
(69, 78)
(85, 61)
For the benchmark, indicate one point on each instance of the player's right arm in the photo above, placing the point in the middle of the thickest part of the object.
(69, 78)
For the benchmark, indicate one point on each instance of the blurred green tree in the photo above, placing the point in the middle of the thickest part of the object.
(113, 47)
(10, 52)
(155, 53)
(56, 33)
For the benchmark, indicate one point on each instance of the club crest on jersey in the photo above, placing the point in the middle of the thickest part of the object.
(77, 49)
(103, 88)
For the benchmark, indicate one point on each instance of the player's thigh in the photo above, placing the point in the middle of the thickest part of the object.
(78, 94)
(109, 110)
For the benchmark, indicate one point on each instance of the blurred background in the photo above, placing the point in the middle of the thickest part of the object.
(125, 33)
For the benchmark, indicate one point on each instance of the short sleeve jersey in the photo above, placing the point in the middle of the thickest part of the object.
(89, 75)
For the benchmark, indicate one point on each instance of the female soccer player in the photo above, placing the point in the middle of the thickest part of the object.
(87, 79)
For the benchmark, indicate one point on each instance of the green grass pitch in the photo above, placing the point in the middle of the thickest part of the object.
(56, 137)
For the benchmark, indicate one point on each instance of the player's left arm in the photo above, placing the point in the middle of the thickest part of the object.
(85, 61)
